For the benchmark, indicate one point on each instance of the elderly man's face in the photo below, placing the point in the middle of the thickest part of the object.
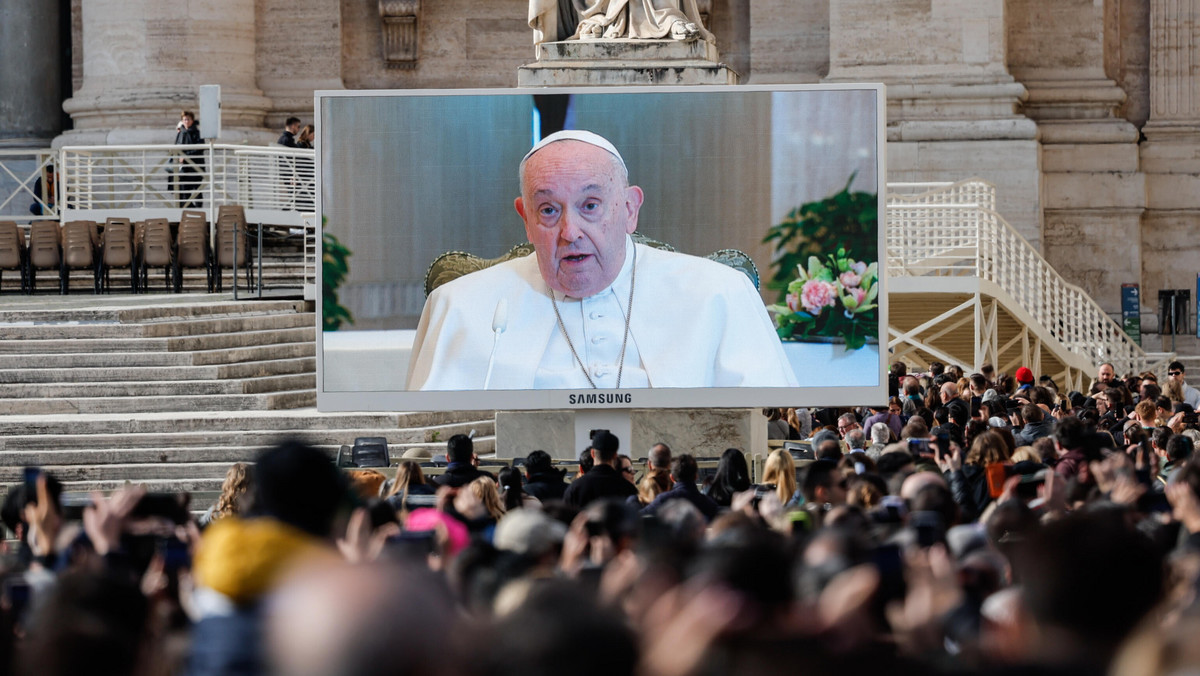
(577, 211)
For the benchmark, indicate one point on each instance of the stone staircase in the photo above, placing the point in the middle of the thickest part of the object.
(168, 391)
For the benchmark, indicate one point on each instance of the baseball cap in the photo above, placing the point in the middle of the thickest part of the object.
(1024, 375)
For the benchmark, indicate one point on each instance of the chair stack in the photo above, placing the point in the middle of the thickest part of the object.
(193, 249)
(45, 252)
(232, 245)
(80, 242)
(155, 249)
(14, 253)
(117, 251)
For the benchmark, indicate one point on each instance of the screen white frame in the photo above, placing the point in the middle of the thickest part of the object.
(728, 397)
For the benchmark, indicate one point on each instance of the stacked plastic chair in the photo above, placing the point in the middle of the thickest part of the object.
(14, 253)
(116, 251)
(192, 248)
(232, 245)
(45, 252)
(155, 250)
(80, 240)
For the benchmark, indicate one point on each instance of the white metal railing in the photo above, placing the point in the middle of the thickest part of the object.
(273, 185)
(312, 256)
(24, 183)
(952, 229)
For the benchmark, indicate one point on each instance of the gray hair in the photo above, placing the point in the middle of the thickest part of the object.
(880, 433)
(856, 440)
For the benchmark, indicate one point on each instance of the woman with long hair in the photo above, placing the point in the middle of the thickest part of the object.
(733, 476)
(410, 480)
(780, 474)
(968, 478)
(655, 481)
(489, 495)
(234, 493)
(512, 491)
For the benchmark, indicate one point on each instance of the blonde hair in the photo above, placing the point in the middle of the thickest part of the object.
(489, 494)
(780, 471)
(408, 473)
(236, 484)
(656, 481)
(366, 482)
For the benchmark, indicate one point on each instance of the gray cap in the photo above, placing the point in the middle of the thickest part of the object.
(529, 531)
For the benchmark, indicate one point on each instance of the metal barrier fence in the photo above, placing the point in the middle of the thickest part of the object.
(273, 185)
(26, 193)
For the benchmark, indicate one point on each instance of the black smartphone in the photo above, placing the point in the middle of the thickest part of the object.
(942, 439)
(17, 593)
(174, 553)
(918, 447)
(166, 505)
(929, 527)
(31, 476)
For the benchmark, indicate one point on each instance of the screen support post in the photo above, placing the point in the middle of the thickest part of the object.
(615, 420)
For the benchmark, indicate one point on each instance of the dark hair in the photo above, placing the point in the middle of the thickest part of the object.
(606, 445)
(1162, 436)
(733, 476)
(188, 114)
(1176, 366)
(1151, 391)
(291, 121)
(1179, 448)
(460, 448)
(509, 479)
(936, 497)
(1071, 433)
(586, 461)
(538, 462)
(978, 381)
(1041, 395)
(820, 473)
(683, 468)
(936, 368)
(1032, 413)
(890, 463)
(1060, 577)
(830, 449)
(298, 485)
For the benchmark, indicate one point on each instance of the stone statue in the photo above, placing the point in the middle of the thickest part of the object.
(553, 20)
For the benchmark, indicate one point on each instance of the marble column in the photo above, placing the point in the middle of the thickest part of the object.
(1171, 151)
(31, 79)
(1093, 191)
(144, 61)
(953, 107)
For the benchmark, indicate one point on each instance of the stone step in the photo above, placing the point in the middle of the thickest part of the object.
(84, 360)
(156, 313)
(178, 344)
(159, 373)
(168, 403)
(124, 472)
(438, 434)
(154, 486)
(161, 388)
(194, 327)
(237, 421)
(204, 454)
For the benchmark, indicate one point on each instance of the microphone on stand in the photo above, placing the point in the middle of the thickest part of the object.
(499, 323)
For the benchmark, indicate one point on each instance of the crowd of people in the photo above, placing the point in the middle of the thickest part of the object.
(976, 523)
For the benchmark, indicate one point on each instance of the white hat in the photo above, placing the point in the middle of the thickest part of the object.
(587, 137)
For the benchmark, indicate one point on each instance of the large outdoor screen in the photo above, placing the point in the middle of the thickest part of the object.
(674, 247)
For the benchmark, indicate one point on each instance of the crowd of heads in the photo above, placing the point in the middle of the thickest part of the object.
(975, 523)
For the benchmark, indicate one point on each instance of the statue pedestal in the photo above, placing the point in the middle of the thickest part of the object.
(701, 432)
(626, 62)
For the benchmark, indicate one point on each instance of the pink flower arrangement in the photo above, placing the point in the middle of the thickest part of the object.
(850, 279)
(817, 295)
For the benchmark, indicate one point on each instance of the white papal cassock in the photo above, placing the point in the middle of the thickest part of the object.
(695, 323)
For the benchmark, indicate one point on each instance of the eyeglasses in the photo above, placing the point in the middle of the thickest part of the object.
(627, 470)
(1174, 373)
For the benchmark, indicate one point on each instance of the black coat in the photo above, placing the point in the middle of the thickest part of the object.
(287, 139)
(601, 481)
(459, 474)
(546, 485)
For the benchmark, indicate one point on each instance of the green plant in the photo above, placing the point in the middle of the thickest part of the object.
(435, 436)
(846, 220)
(334, 268)
(825, 269)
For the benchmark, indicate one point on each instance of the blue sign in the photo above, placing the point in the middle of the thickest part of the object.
(1131, 310)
